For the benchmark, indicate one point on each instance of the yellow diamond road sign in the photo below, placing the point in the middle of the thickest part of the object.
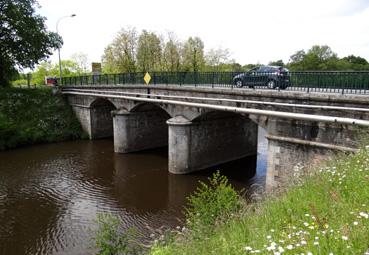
(147, 78)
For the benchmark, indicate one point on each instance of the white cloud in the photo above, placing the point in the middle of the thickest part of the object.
(254, 31)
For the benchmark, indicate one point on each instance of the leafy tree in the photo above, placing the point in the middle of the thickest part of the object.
(120, 55)
(24, 40)
(317, 58)
(46, 69)
(193, 55)
(355, 60)
(276, 63)
(149, 52)
(171, 55)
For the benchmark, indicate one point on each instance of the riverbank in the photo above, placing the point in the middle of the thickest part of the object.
(324, 212)
(33, 116)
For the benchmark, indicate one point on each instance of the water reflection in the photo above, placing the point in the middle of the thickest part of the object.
(50, 194)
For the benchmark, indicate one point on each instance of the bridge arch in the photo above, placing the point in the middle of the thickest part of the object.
(101, 119)
(211, 138)
(149, 107)
(142, 127)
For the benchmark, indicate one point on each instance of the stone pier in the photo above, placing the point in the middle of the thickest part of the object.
(136, 131)
(196, 145)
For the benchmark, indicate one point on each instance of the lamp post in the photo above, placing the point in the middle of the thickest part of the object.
(57, 24)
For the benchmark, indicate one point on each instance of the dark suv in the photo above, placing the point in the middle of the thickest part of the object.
(270, 76)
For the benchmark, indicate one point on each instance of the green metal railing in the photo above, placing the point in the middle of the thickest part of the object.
(329, 81)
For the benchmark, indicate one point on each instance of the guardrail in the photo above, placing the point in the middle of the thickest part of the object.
(329, 81)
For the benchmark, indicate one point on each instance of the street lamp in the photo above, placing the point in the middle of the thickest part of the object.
(57, 24)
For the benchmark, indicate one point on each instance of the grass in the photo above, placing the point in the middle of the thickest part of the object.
(326, 213)
(31, 116)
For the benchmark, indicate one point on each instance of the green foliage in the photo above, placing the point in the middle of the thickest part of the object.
(29, 116)
(24, 39)
(323, 58)
(171, 56)
(120, 55)
(210, 202)
(110, 240)
(326, 213)
(276, 63)
(149, 52)
(193, 55)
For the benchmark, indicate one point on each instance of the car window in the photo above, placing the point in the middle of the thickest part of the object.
(263, 69)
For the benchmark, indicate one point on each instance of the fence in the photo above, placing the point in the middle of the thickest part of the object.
(338, 82)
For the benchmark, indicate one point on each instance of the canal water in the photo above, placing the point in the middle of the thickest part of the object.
(50, 195)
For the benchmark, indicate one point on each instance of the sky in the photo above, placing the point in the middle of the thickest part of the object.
(254, 31)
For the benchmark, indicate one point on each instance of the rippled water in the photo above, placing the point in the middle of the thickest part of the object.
(51, 194)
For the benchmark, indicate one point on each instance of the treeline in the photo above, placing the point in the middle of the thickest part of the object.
(147, 51)
(131, 51)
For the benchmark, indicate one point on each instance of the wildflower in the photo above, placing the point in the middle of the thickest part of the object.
(269, 237)
(363, 214)
(356, 223)
(306, 224)
(280, 249)
(316, 243)
(309, 253)
(272, 230)
(344, 238)
(303, 242)
(248, 248)
(289, 247)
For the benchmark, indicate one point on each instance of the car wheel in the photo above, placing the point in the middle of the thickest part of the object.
(271, 84)
(239, 83)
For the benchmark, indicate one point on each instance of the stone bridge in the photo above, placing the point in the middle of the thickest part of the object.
(204, 127)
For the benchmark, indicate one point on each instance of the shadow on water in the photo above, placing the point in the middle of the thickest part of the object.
(51, 194)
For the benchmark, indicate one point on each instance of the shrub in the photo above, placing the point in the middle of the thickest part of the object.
(110, 240)
(210, 202)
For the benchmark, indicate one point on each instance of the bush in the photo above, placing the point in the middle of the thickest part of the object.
(211, 202)
(110, 240)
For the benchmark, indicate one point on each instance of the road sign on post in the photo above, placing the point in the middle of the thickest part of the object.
(147, 78)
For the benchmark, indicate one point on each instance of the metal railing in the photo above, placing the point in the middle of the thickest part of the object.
(328, 81)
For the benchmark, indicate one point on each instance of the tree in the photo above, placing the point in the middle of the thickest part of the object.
(276, 63)
(355, 60)
(171, 55)
(317, 58)
(24, 40)
(193, 55)
(216, 58)
(46, 69)
(149, 52)
(120, 55)
(82, 62)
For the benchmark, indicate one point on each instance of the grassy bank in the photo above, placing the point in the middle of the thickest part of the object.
(326, 213)
(30, 116)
